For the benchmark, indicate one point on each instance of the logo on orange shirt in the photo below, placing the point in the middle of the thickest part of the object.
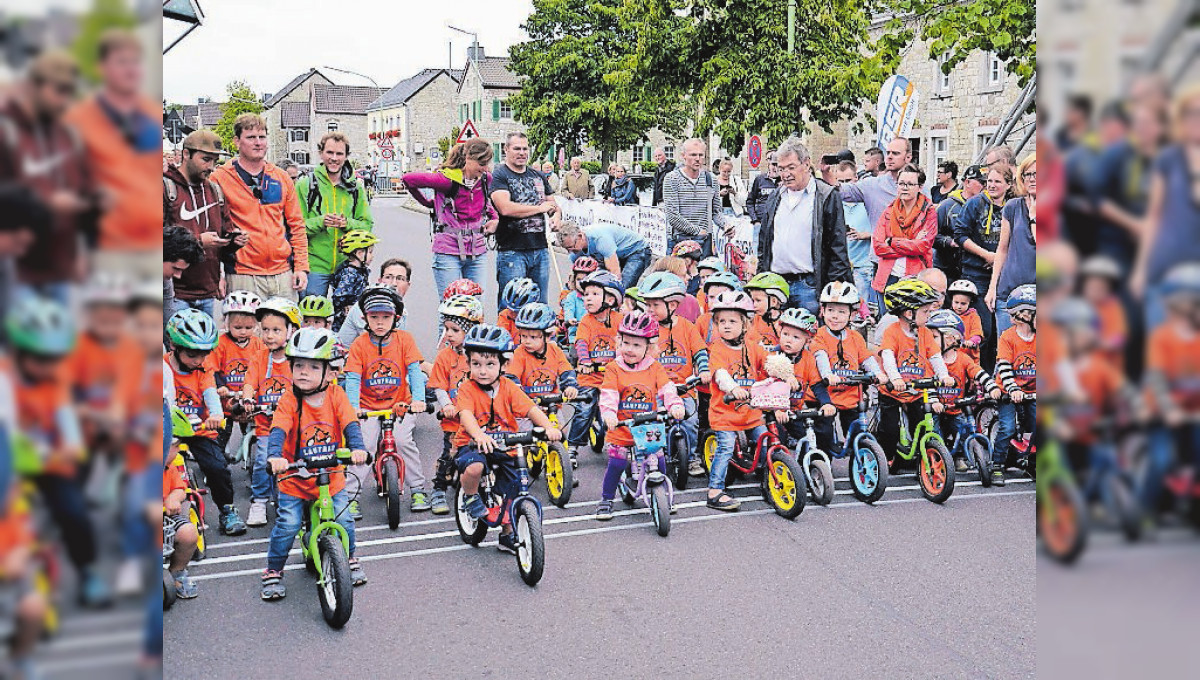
(1025, 365)
(603, 347)
(235, 371)
(636, 399)
(273, 389)
(541, 381)
(382, 376)
(910, 364)
(188, 401)
(317, 441)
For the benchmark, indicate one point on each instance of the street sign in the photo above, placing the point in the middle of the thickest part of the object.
(754, 151)
(897, 110)
(386, 143)
(468, 132)
(387, 154)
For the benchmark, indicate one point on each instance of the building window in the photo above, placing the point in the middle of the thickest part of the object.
(332, 126)
(941, 80)
(939, 150)
(298, 135)
(982, 139)
(669, 150)
(995, 70)
(506, 109)
(300, 157)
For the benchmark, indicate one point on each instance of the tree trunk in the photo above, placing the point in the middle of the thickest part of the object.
(606, 157)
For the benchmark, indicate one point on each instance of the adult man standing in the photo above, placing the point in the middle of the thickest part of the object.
(872, 163)
(858, 233)
(333, 201)
(523, 199)
(803, 235)
(947, 254)
(46, 157)
(180, 251)
(761, 189)
(692, 199)
(192, 200)
(623, 251)
(878, 192)
(663, 166)
(947, 181)
(263, 204)
(577, 183)
(122, 130)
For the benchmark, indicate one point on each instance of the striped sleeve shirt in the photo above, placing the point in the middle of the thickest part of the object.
(692, 208)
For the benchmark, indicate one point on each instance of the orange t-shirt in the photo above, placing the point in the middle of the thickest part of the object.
(448, 373)
(1177, 356)
(16, 527)
(102, 373)
(145, 412)
(1114, 330)
(384, 370)
(767, 335)
(963, 369)
(189, 392)
(804, 367)
(1022, 354)
(320, 430)
(745, 365)
(232, 361)
(912, 357)
(676, 347)
(494, 414)
(37, 409)
(507, 319)
(172, 480)
(538, 377)
(972, 328)
(599, 341)
(1100, 381)
(637, 392)
(846, 356)
(269, 380)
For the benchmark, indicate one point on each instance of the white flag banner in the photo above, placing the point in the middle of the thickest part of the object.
(742, 237)
(649, 223)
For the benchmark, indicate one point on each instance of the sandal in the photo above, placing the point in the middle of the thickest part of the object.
(724, 502)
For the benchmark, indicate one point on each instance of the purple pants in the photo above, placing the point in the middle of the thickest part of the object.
(618, 462)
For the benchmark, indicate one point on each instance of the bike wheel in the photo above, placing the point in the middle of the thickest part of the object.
(536, 459)
(470, 529)
(1125, 507)
(785, 490)
(1061, 521)
(936, 471)
(660, 509)
(391, 488)
(986, 422)
(678, 463)
(868, 471)
(560, 478)
(336, 590)
(169, 593)
(982, 459)
(623, 489)
(596, 438)
(201, 543)
(820, 481)
(531, 545)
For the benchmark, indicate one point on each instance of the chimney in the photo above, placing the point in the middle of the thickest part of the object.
(475, 52)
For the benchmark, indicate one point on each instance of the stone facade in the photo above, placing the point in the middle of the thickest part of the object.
(421, 120)
(296, 141)
(484, 104)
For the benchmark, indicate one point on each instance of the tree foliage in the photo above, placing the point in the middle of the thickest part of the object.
(573, 92)
(445, 143)
(104, 15)
(239, 99)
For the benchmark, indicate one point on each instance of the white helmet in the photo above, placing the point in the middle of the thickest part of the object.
(1101, 266)
(241, 302)
(840, 292)
(963, 286)
(107, 288)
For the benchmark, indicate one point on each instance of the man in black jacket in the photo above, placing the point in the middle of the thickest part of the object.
(803, 235)
(761, 189)
(664, 165)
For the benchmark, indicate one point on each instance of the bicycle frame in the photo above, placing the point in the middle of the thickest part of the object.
(807, 449)
(914, 445)
(507, 507)
(967, 432)
(386, 449)
(322, 520)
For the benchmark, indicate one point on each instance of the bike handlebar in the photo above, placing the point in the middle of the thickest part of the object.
(340, 456)
(552, 399)
(643, 418)
(510, 440)
(858, 379)
(926, 384)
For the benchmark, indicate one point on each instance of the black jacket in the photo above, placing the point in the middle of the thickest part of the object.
(760, 192)
(830, 261)
(659, 173)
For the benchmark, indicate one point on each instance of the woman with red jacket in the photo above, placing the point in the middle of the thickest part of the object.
(903, 238)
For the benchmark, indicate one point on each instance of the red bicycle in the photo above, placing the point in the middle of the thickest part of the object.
(780, 476)
(389, 466)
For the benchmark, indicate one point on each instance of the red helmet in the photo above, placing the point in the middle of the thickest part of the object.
(462, 287)
(640, 325)
(585, 265)
(688, 248)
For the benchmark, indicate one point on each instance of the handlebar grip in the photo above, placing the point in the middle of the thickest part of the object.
(384, 413)
(926, 384)
(549, 400)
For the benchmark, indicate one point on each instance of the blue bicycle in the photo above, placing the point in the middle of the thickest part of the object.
(868, 464)
(970, 443)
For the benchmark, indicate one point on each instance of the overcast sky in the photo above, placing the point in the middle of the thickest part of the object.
(268, 42)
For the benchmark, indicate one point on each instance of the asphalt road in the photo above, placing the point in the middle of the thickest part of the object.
(902, 589)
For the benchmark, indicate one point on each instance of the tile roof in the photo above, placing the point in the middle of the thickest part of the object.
(293, 114)
(189, 113)
(293, 84)
(209, 113)
(405, 89)
(343, 98)
(495, 73)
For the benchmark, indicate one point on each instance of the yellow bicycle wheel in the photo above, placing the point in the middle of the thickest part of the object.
(194, 518)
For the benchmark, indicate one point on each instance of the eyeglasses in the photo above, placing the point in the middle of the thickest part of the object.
(907, 185)
(845, 181)
(1030, 175)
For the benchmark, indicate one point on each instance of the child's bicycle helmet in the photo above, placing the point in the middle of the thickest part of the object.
(1101, 266)
(241, 302)
(357, 239)
(187, 329)
(462, 287)
(1073, 313)
(722, 278)
(640, 325)
(281, 306)
(465, 310)
(772, 284)
(606, 280)
(908, 294)
(714, 263)
(963, 287)
(316, 305)
(734, 301)
(536, 316)
(840, 293)
(381, 298)
(801, 319)
(639, 302)
(689, 249)
(518, 293)
(1023, 299)
(488, 338)
(181, 425)
(318, 344)
(662, 286)
(1181, 280)
(585, 265)
(947, 320)
(106, 288)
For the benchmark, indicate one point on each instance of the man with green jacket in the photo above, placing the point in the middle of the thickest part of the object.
(333, 201)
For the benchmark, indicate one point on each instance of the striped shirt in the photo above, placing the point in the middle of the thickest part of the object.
(692, 208)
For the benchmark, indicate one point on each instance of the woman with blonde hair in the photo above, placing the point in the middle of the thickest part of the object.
(689, 308)
(463, 214)
(1016, 253)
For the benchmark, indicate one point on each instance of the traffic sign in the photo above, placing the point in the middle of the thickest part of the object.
(468, 132)
(386, 143)
(754, 151)
(387, 154)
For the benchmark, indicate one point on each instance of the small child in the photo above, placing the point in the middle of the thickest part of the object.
(174, 493)
(704, 269)
(634, 383)
(736, 361)
(517, 293)
(539, 365)
(1016, 372)
(28, 606)
(236, 349)
(459, 314)
(966, 373)
(633, 301)
(350, 278)
(383, 371)
(596, 347)
(325, 419)
(770, 295)
(691, 252)
(489, 404)
(840, 350)
(269, 378)
(394, 273)
(962, 294)
(572, 302)
(714, 285)
(1099, 280)
(797, 327)
(316, 311)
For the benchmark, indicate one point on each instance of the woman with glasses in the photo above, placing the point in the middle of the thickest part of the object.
(977, 232)
(904, 235)
(1016, 253)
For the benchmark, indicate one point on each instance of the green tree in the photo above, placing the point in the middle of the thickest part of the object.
(104, 15)
(239, 99)
(446, 142)
(730, 58)
(959, 29)
(573, 91)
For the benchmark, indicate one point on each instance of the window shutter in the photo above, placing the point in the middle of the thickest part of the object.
(495, 109)
(496, 151)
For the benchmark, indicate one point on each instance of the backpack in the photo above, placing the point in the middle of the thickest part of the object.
(313, 200)
(172, 190)
(447, 202)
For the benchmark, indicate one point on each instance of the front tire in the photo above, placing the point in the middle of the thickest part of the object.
(337, 591)
(201, 542)
(560, 478)
(868, 472)
(820, 480)
(983, 462)
(1062, 521)
(1126, 507)
(169, 593)
(470, 529)
(391, 484)
(936, 471)
(531, 544)
(786, 490)
(536, 459)
(679, 458)
(660, 509)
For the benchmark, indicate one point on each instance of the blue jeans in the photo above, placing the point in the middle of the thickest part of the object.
(261, 482)
(1163, 444)
(803, 293)
(516, 264)
(1003, 320)
(289, 517)
(449, 268)
(318, 284)
(725, 444)
(690, 425)
(136, 536)
(1007, 428)
(1155, 306)
(585, 413)
(205, 306)
(633, 266)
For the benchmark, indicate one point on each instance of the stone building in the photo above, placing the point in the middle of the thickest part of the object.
(483, 94)
(308, 107)
(412, 117)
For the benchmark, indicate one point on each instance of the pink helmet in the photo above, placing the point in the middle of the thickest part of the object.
(640, 325)
(734, 301)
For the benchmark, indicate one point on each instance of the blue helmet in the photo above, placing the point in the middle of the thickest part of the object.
(1182, 279)
(722, 278)
(192, 329)
(662, 286)
(519, 292)
(488, 338)
(1075, 313)
(44, 326)
(1023, 299)
(947, 320)
(607, 280)
(536, 316)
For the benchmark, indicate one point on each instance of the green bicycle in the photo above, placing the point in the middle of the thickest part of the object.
(1061, 512)
(935, 471)
(324, 543)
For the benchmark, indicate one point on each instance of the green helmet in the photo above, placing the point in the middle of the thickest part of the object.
(311, 343)
(316, 305)
(636, 295)
(43, 326)
(180, 425)
(772, 284)
(907, 294)
(799, 318)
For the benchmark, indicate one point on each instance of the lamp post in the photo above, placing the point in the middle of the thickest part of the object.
(474, 60)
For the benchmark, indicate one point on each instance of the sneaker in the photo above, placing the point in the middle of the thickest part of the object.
(604, 511)
(960, 465)
(129, 578)
(420, 502)
(998, 477)
(437, 503)
(357, 575)
(574, 467)
(272, 585)
(185, 587)
(696, 468)
(355, 513)
(231, 523)
(257, 516)
(93, 591)
(474, 506)
(507, 543)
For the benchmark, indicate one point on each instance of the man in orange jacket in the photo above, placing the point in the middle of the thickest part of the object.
(265, 207)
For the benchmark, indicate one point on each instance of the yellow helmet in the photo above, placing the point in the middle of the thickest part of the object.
(357, 240)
